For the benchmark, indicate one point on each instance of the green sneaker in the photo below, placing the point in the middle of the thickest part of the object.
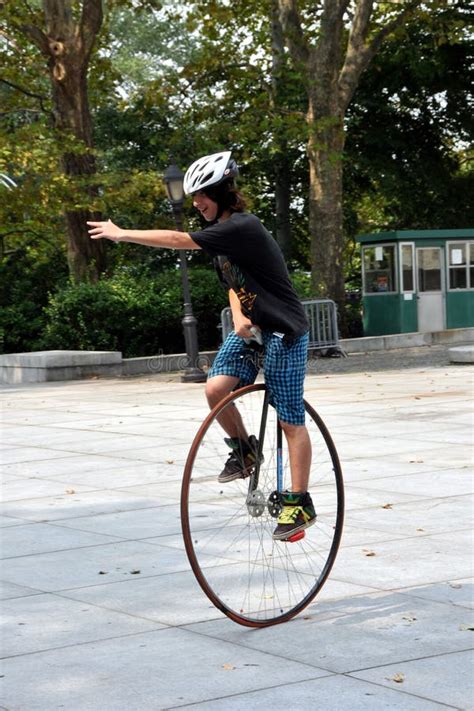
(297, 514)
(241, 461)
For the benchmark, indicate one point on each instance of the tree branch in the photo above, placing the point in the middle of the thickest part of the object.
(28, 93)
(58, 15)
(91, 22)
(359, 54)
(294, 36)
(37, 36)
(24, 231)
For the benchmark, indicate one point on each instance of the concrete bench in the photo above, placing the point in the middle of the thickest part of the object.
(44, 366)
(461, 354)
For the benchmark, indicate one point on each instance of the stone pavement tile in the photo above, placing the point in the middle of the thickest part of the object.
(357, 633)
(367, 426)
(41, 622)
(392, 564)
(152, 670)
(124, 475)
(363, 535)
(77, 465)
(446, 678)
(131, 525)
(81, 442)
(70, 569)
(7, 521)
(427, 517)
(171, 599)
(16, 455)
(353, 446)
(70, 506)
(401, 449)
(331, 693)
(362, 468)
(178, 451)
(33, 538)
(359, 497)
(455, 592)
(176, 598)
(30, 488)
(10, 591)
(445, 482)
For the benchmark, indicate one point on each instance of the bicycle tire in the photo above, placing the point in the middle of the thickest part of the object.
(254, 580)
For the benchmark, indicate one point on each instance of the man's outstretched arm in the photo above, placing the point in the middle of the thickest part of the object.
(171, 239)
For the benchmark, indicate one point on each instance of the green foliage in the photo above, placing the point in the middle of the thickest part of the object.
(137, 315)
(408, 128)
(27, 276)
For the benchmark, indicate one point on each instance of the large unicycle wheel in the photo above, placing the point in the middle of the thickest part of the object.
(227, 528)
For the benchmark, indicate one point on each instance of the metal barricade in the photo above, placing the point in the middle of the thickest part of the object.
(322, 319)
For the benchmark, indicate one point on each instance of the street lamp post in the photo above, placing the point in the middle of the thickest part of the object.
(173, 178)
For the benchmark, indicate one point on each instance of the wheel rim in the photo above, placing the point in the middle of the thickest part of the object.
(253, 579)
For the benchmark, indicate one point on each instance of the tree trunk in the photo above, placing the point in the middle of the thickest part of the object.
(67, 45)
(281, 162)
(332, 69)
(325, 153)
(86, 257)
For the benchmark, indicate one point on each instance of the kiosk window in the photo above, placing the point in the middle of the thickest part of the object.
(379, 269)
(429, 268)
(461, 265)
(407, 267)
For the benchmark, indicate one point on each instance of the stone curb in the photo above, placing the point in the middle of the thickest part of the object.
(46, 366)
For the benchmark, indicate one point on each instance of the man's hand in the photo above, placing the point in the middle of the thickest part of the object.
(105, 229)
(242, 327)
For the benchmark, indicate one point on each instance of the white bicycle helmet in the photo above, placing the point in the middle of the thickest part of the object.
(209, 170)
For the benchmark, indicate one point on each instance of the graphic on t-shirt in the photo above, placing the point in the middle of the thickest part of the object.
(236, 280)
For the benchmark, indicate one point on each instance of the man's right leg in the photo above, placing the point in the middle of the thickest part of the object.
(217, 388)
(243, 448)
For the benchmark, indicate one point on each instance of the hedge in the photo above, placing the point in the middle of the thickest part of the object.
(137, 315)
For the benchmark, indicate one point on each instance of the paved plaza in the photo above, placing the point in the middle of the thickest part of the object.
(99, 614)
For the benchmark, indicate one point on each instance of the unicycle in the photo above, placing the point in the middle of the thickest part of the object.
(227, 528)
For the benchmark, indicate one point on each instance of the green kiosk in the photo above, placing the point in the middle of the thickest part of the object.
(417, 281)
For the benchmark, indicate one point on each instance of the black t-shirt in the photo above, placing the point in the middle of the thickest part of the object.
(250, 262)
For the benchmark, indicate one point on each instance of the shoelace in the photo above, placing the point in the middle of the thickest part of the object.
(289, 514)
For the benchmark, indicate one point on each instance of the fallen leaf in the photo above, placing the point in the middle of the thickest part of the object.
(416, 461)
(228, 667)
(70, 491)
(387, 506)
(397, 678)
(368, 553)
(420, 529)
(170, 461)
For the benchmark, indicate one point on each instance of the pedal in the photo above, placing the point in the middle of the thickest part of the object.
(274, 504)
(296, 537)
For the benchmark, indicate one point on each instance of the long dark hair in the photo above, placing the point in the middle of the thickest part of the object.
(227, 196)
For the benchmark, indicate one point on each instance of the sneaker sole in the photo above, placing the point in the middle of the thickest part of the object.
(285, 536)
(244, 474)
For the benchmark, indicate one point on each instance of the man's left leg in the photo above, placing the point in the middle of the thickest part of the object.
(299, 450)
(285, 367)
(298, 510)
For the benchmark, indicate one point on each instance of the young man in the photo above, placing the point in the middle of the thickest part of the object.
(263, 302)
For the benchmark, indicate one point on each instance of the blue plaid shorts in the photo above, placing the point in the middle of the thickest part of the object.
(284, 368)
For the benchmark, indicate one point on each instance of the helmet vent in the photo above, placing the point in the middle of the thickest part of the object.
(210, 170)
